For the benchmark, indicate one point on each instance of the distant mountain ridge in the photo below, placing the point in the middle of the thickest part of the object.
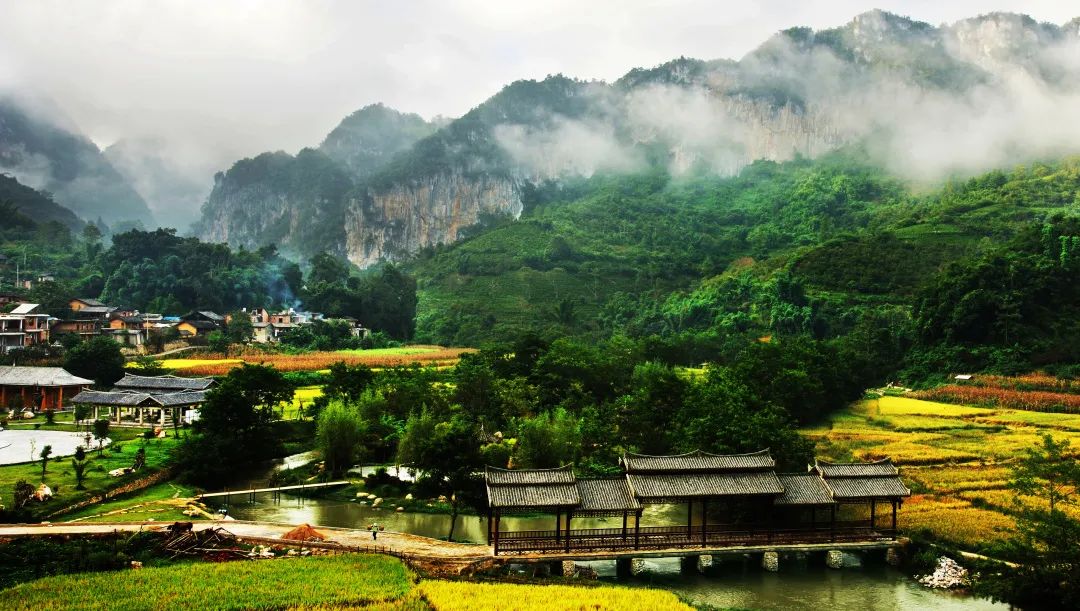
(48, 156)
(34, 205)
(926, 101)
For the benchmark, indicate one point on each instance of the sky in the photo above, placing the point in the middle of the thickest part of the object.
(225, 79)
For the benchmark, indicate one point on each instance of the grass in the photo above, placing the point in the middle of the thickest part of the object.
(61, 479)
(350, 581)
(956, 457)
(304, 396)
(268, 584)
(162, 503)
(464, 596)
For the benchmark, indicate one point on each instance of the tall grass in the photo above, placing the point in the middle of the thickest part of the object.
(316, 361)
(463, 596)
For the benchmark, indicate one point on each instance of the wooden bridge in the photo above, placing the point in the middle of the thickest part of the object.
(275, 490)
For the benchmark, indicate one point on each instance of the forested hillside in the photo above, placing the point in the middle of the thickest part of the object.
(833, 248)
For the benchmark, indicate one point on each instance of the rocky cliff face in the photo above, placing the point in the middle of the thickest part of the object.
(436, 210)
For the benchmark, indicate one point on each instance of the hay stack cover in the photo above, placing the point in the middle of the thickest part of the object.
(304, 532)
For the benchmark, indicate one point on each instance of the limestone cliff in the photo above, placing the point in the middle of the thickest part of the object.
(435, 210)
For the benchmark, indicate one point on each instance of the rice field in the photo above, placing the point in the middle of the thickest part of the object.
(464, 596)
(216, 365)
(956, 458)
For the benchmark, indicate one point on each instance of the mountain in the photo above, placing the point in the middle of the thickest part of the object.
(299, 202)
(923, 102)
(34, 205)
(46, 155)
(173, 193)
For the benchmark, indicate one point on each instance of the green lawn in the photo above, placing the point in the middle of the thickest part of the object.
(161, 503)
(61, 478)
(266, 584)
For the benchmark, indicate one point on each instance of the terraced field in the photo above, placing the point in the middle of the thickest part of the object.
(955, 458)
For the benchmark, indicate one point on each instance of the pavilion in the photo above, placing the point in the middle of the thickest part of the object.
(42, 388)
(149, 400)
(750, 502)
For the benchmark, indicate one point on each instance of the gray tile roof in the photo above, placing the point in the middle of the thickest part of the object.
(658, 487)
(39, 376)
(131, 399)
(561, 475)
(697, 461)
(859, 469)
(157, 383)
(90, 302)
(803, 489)
(524, 496)
(854, 488)
(609, 494)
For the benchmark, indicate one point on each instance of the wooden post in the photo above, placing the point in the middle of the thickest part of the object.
(873, 508)
(625, 513)
(60, 398)
(894, 519)
(704, 520)
(832, 522)
(497, 516)
(569, 516)
(637, 528)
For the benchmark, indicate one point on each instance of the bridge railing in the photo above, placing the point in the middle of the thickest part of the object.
(662, 537)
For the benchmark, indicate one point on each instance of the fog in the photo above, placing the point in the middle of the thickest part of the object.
(202, 84)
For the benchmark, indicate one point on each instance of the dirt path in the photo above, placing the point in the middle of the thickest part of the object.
(421, 548)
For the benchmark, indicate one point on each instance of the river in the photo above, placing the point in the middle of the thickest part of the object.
(798, 585)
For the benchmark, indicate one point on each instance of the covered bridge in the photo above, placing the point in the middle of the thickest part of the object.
(739, 499)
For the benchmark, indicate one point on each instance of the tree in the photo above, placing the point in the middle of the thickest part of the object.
(46, 452)
(549, 440)
(233, 432)
(218, 342)
(447, 457)
(348, 382)
(239, 328)
(23, 492)
(78, 466)
(1046, 547)
(101, 433)
(99, 359)
(338, 436)
(81, 412)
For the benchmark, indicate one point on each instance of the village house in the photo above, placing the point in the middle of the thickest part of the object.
(89, 317)
(26, 325)
(200, 323)
(39, 388)
(269, 328)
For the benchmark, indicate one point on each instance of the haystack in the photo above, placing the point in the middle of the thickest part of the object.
(304, 532)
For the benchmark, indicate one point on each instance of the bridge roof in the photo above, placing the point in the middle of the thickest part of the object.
(862, 481)
(674, 487)
(607, 494)
(803, 489)
(697, 461)
(531, 488)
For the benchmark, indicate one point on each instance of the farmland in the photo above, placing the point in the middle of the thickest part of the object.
(215, 365)
(956, 458)
(348, 581)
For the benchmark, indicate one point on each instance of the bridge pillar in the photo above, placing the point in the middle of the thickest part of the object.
(637, 566)
(834, 559)
(567, 568)
(704, 563)
(624, 567)
(892, 556)
(770, 561)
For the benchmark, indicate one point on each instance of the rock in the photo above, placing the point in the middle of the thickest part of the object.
(704, 562)
(135, 564)
(948, 574)
(409, 497)
(834, 559)
(376, 502)
(770, 561)
(442, 498)
(568, 568)
(399, 508)
(361, 495)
